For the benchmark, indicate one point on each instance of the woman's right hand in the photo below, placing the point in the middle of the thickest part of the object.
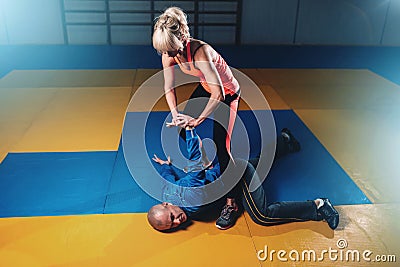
(184, 120)
(173, 123)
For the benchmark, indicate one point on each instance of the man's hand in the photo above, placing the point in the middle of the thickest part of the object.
(160, 161)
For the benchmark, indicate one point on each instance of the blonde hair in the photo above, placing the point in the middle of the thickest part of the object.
(170, 30)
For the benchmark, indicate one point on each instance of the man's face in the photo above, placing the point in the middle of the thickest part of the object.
(172, 216)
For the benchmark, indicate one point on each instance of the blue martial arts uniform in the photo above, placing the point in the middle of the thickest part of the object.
(196, 176)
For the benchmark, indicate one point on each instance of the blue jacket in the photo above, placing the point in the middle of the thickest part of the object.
(187, 194)
(196, 176)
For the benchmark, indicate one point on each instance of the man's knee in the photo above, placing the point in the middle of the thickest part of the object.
(273, 210)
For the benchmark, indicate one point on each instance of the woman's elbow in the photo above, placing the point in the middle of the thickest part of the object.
(219, 97)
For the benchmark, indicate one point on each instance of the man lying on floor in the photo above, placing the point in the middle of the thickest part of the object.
(173, 212)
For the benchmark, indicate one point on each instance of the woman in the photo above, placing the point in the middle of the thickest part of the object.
(171, 38)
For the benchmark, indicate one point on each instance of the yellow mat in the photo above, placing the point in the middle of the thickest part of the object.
(365, 143)
(152, 98)
(10, 134)
(19, 107)
(23, 104)
(67, 78)
(336, 89)
(362, 227)
(3, 154)
(252, 96)
(255, 76)
(63, 110)
(141, 75)
(127, 240)
(119, 240)
(78, 119)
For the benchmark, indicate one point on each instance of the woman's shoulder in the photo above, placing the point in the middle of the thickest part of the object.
(197, 42)
(200, 48)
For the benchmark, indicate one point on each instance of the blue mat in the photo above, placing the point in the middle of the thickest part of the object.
(35, 184)
(310, 173)
(124, 194)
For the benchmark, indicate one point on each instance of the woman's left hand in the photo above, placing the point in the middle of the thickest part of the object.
(184, 120)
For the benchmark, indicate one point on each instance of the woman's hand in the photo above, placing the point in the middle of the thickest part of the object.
(173, 123)
(160, 161)
(184, 121)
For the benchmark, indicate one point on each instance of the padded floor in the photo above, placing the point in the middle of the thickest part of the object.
(361, 229)
(365, 144)
(118, 240)
(55, 183)
(313, 172)
(127, 240)
(68, 78)
(60, 154)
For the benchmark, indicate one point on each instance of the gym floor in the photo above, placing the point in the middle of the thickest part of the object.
(68, 199)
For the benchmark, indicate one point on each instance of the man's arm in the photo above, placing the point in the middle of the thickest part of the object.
(213, 174)
(166, 170)
(193, 144)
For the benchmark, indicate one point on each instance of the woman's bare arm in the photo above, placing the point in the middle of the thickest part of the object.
(169, 84)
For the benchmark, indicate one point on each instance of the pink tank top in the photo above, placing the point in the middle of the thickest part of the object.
(230, 84)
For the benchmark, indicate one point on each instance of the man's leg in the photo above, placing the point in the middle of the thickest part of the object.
(195, 153)
(285, 143)
(255, 203)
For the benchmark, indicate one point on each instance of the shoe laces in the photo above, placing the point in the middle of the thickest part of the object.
(227, 211)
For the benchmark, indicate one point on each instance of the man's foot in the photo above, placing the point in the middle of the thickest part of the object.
(228, 217)
(294, 145)
(329, 214)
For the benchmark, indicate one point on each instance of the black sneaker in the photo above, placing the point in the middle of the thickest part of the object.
(329, 213)
(294, 145)
(227, 218)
